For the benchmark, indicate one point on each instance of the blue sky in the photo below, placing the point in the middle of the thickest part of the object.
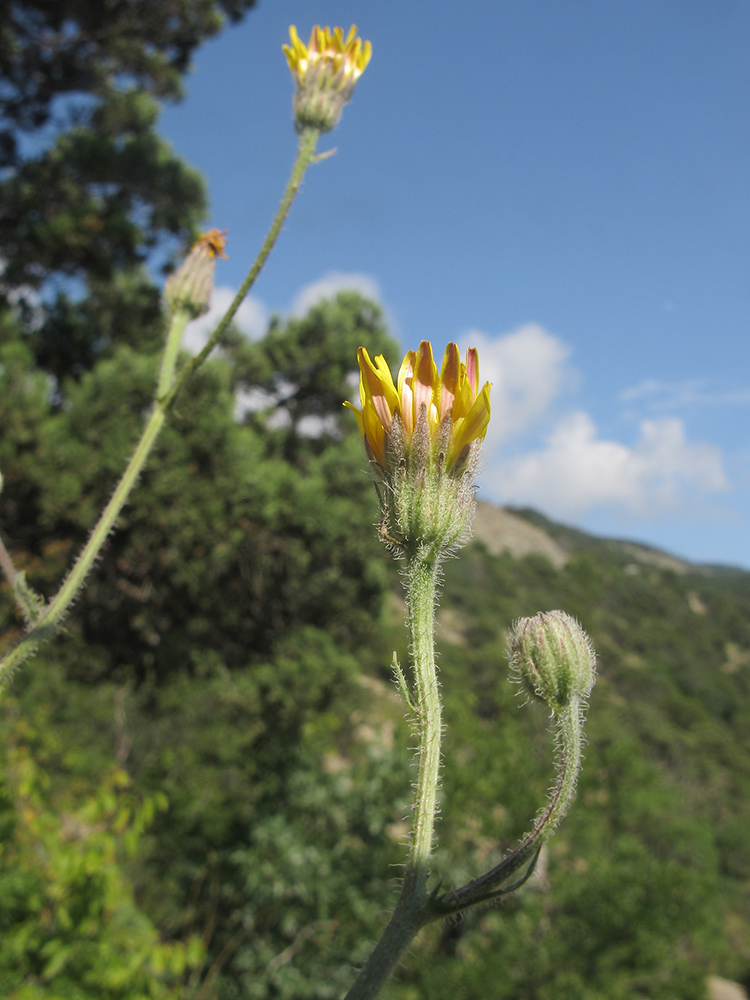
(565, 186)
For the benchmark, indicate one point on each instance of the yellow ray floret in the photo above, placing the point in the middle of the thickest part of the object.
(453, 394)
(344, 59)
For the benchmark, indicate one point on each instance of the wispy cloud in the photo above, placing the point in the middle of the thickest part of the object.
(577, 471)
(660, 395)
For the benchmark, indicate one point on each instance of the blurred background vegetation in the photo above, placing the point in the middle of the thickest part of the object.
(203, 782)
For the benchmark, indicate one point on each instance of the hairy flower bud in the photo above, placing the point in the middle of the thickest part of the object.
(552, 658)
(190, 286)
(423, 434)
(325, 71)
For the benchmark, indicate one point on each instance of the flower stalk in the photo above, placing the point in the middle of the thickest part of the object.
(494, 882)
(305, 156)
(177, 324)
(422, 575)
(422, 434)
(47, 622)
(417, 906)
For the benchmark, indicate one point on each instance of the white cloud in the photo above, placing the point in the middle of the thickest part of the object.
(251, 318)
(577, 471)
(528, 370)
(330, 285)
(660, 395)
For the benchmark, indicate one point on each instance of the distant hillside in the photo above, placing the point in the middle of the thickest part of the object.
(522, 531)
(284, 784)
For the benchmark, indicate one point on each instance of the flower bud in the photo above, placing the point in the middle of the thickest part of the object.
(189, 288)
(325, 71)
(552, 658)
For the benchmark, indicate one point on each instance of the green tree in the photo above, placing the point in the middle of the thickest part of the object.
(81, 213)
(73, 48)
(238, 534)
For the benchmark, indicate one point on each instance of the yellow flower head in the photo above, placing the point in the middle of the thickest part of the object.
(325, 71)
(449, 406)
(345, 58)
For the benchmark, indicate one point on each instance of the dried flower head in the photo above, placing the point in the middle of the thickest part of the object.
(189, 288)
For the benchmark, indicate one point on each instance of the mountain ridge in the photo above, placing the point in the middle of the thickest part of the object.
(522, 531)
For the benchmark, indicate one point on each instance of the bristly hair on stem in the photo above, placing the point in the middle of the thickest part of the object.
(50, 617)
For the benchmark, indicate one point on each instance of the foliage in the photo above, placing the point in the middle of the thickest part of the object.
(286, 786)
(229, 544)
(70, 926)
(220, 649)
(60, 48)
(89, 189)
(204, 781)
(99, 198)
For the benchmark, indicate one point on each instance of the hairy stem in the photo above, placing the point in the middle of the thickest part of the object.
(570, 729)
(305, 153)
(6, 565)
(411, 910)
(48, 622)
(422, 577)
(169, 358)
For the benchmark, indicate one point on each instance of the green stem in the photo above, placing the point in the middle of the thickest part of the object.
(48, 622)
(489, 885)
(305, 153)
(570, 728)
(171, 350)
(398, 935)
(27, 602)
(411, 911)
(6, 565)
(422, 578)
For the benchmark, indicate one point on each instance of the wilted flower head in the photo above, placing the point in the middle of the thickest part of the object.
(190, 286)
(423, 433)
(325, 70)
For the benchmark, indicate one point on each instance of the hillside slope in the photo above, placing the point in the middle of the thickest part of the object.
(283, 785)
(646, 889)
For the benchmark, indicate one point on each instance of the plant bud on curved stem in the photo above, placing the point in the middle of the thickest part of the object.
(552, 658)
